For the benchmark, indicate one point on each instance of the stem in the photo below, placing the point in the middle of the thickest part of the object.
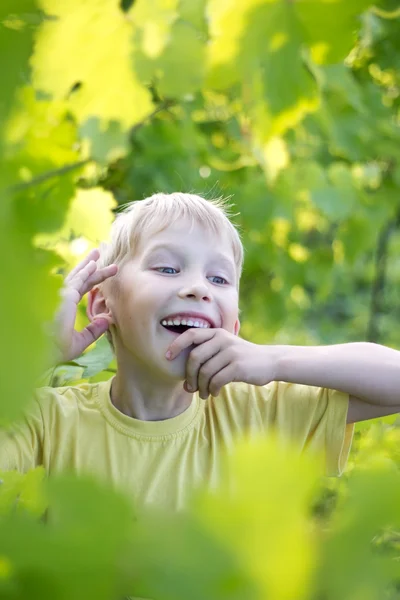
(161, 107)
(49, 175)
(19, 187)
(386, 14)
(379, 283)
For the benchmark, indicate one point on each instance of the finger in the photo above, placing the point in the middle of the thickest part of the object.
(82, 282)
(98, 276)
(65, 318)
(71, 295)
(93, 255)
(79, 279)
(90, 334)
(209, 370)
(223, 377)
(186, 339)
(197, 357)
(90, 276)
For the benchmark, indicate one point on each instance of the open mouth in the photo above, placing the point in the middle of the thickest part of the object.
(178, 324)
(179, 328)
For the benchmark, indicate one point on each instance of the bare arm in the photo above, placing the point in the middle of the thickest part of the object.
(368, 372)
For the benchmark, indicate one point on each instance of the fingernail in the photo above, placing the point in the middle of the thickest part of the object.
(189, 388)
(168, 354)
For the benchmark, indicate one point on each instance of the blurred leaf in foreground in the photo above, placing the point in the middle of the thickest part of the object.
(78, 552)
(261, 514)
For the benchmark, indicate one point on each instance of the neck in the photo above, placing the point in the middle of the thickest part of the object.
(145, 395)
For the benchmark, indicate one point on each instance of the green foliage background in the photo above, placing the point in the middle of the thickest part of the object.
(292, 108)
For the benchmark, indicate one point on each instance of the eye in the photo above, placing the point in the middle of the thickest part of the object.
(166, 270)
(221, 280)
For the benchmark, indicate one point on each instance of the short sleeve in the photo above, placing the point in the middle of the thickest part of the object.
(313, 418)
(21, 444)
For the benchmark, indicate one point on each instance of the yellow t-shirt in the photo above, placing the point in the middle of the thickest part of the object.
(160, 462)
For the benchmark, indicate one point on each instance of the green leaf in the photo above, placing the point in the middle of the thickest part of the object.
(245, 515)
(252, 46)
(164, 568)
(40, 133)
(96, 360)
(105, 144)
(330, 26)
(84, 54)
(374, 500)
(182, 72)
(43, 207)
(161, 34)
(18, 22)
(194, 13)
(63, 375)
(82, 552)
(29, 298)
(40, 142)
(23, 492)
(338, 198)
(90, 215)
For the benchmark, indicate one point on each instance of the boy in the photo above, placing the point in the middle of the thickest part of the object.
(166, 292)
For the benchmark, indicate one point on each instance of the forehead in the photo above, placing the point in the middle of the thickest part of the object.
(189, 238)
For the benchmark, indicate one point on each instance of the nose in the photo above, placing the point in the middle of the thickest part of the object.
(197, 290)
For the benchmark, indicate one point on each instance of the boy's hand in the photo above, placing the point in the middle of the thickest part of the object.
(81, 279)
(220, 358)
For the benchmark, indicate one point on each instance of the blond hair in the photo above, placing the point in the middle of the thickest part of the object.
(152, 215)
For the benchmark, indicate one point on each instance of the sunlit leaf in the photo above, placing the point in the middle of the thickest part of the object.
(90, 215)
(253, 45)
(246, 515)
(330, 26)
(161, 34)
(18, 21)
(28, 300)
(373, 504)
(84, 54)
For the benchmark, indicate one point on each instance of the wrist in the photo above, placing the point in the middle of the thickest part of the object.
(283, 359)
(278, 362)
(275, 359)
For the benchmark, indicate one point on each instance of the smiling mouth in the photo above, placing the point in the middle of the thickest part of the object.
(179, 328)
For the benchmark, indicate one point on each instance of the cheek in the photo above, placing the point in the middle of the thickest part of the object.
(231, 315)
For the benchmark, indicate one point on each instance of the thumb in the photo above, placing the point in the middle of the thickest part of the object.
(86, 337)
(96, 328)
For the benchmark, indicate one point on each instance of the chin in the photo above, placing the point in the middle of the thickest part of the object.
(177, 368)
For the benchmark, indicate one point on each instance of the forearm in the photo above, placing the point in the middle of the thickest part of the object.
(364, 370)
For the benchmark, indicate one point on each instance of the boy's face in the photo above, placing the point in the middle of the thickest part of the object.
(176, 275)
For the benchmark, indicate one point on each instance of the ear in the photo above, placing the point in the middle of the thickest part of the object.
(236, 327)
(97, 306)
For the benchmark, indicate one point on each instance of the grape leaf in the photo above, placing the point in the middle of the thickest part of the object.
(83, 53)
(160, 36)
(90, 215)
(252, 46)
(18, 21)
(330, 26)
(96, 360)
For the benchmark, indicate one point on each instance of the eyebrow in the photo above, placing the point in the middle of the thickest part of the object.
(178, 250)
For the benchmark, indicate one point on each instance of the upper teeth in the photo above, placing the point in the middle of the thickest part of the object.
(190, 322)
